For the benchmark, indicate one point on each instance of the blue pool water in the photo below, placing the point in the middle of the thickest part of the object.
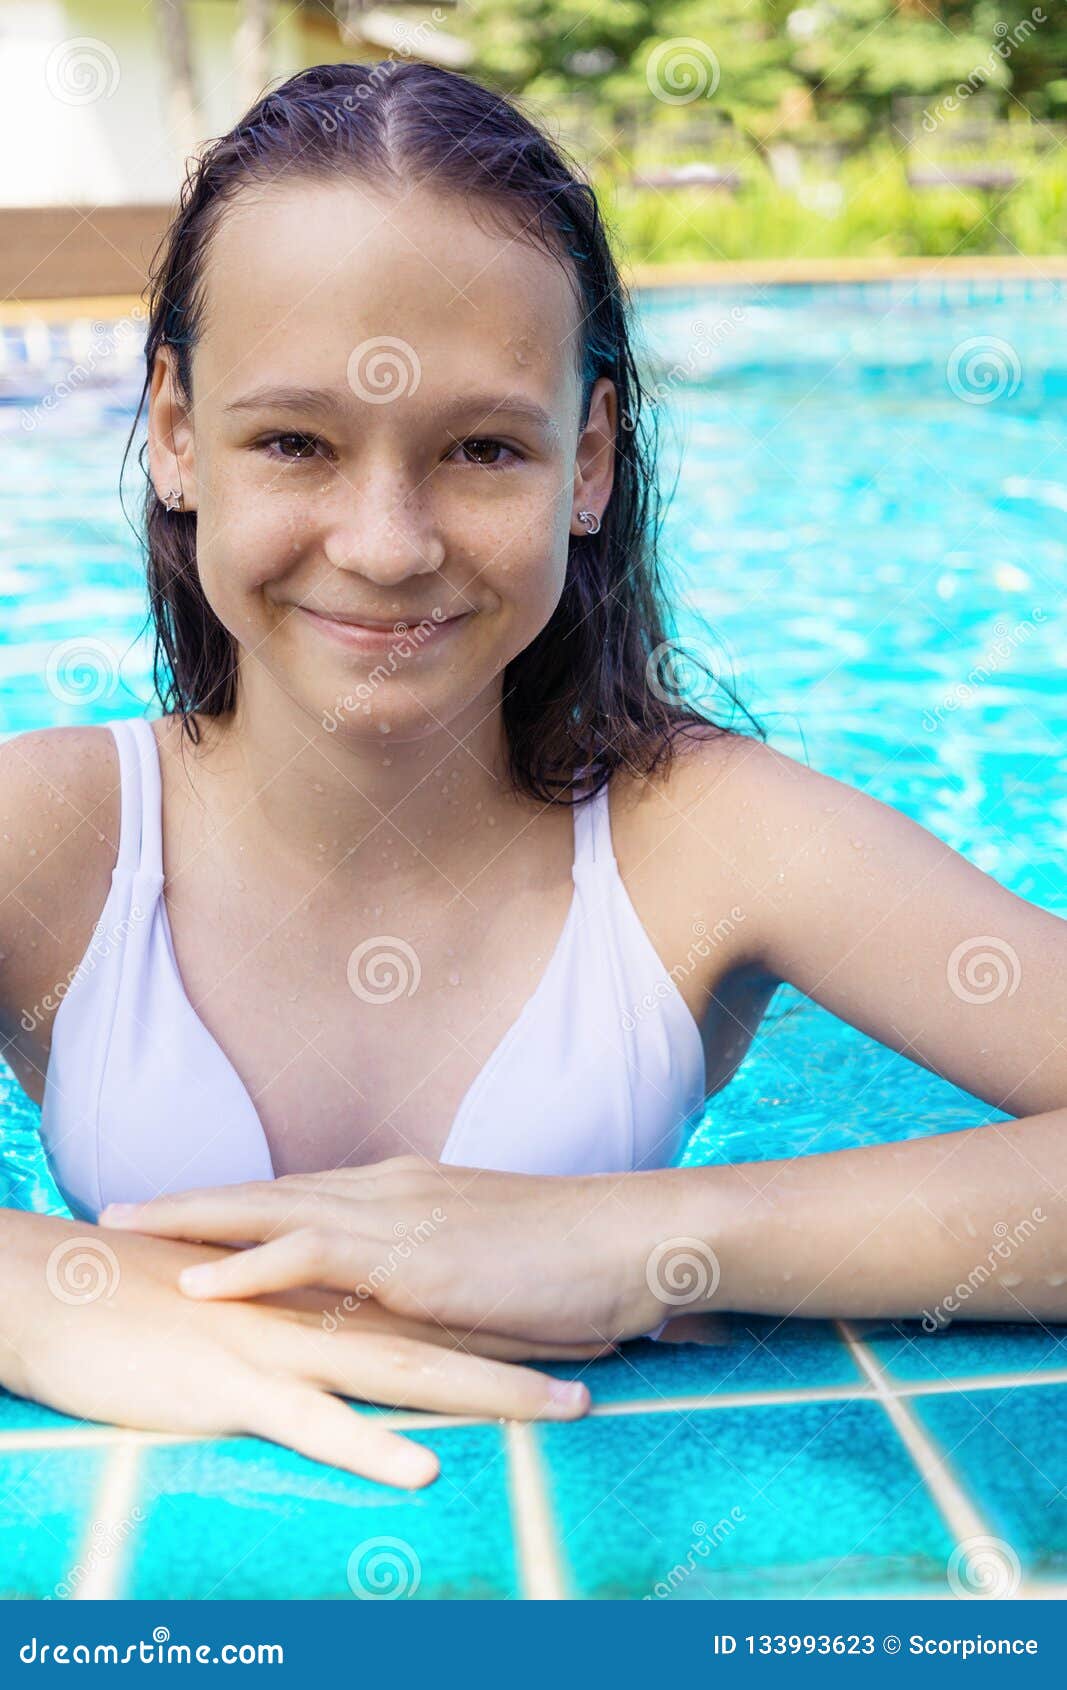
(868, 535)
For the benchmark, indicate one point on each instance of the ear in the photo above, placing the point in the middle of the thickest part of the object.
(594, 467)
(171, 455)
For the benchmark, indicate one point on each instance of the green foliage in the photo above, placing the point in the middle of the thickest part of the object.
(820, 107)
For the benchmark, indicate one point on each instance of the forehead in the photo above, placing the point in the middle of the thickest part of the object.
(297, 278)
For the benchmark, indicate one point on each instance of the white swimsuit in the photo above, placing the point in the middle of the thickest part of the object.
(140, 1098)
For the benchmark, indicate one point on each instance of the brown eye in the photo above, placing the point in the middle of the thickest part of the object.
(306, 440)
(481, 446)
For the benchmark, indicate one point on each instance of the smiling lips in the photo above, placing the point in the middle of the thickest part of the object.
(376, 636)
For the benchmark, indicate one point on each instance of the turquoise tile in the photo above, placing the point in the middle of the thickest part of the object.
(46, 1501)
(748, 1353)
(245, 1518)
(965, 1348)
(796, 1499)
(1007, 1448)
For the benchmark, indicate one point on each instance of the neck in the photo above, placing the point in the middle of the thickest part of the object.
(351, 802)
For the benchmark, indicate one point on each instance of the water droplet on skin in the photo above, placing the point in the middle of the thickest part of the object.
(384, 728)
(491, 820)
(317, 786)
(1010, 1279)
(780, 878)
(33, 851)
(972, 1230)
(1056, 1279)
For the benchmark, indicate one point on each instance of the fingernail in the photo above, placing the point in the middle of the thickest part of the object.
(416, 1466)
(198, 1279)
(568, 1394)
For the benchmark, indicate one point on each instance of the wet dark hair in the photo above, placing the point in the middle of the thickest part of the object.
(601, 685)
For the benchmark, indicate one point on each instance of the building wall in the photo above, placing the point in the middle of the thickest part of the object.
(83, 107)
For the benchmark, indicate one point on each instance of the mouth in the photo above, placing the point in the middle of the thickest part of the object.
(373, 635)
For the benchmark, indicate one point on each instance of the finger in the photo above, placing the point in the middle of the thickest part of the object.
(319, 1426)
(404, 1373)
(304, 1256)
(367, 1314)
(250, 1211)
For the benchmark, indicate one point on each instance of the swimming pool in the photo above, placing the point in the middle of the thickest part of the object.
(869, 532)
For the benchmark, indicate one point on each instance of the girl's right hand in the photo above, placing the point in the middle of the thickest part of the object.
(93, 1325)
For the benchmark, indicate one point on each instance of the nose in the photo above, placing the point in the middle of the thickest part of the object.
(379, 530)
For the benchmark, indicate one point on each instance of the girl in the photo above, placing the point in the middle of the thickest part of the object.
(403, 877)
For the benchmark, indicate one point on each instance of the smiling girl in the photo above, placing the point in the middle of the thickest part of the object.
(422, 822)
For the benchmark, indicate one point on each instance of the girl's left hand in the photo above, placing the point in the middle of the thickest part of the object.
(550, 1258)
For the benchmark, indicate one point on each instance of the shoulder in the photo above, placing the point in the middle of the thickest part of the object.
(59, 830)
(756, 841)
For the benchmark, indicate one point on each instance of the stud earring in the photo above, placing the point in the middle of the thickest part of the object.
(174, 500)
(591, 520)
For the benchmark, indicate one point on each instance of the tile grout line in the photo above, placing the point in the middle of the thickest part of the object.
(93, 1435)
(111, 1521)
(948, 1495)
(536, 1544)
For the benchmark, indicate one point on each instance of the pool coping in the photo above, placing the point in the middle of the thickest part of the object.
(771, 271)
(536, 1531)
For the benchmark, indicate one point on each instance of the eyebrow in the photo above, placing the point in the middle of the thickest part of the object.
(329, 401)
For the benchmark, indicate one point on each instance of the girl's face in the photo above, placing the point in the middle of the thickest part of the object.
(423, 466)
